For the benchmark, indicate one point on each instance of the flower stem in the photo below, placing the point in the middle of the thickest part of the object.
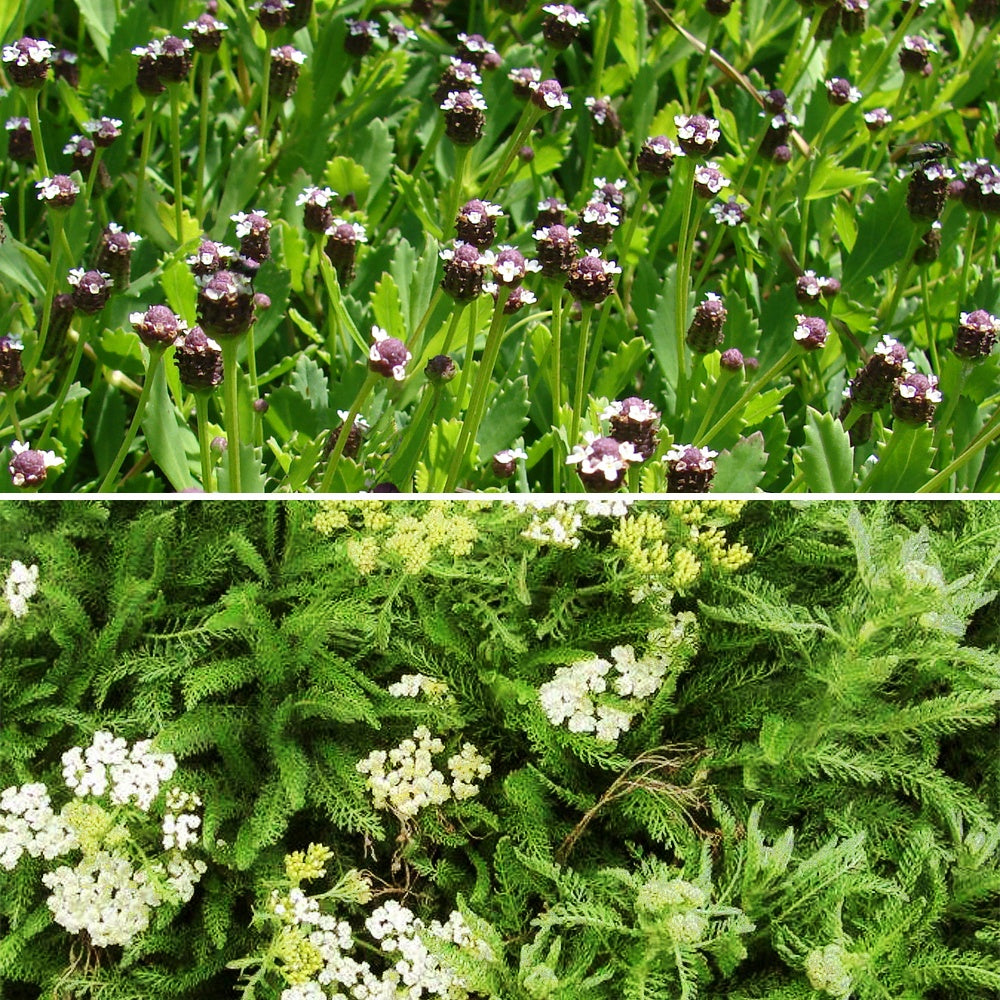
(928, 326)
(95, 167)
(645, 186)
(147, 142)
(175, 145)
(458, 182)
(885, 316)
(206, 77)
(556, 381)
(470, 349)
(527, 121)
(751, 390)
(58, 222)
(683, 280)
(32, 98)
(67, 381)
(988, 433)
(352, 414)
(155, 356)
(265, 92)
(204, 444)
(581, 364)
(231, 377)
(970, 241)
(477, 405)
(703, 65)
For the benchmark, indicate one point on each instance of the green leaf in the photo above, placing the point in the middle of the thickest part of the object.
(419, 198)
(241, 185)
(99, 16)
(740, 469)
(827, 457)
(846, 223)
(347, 176)
(181, 291)
(505, 418)
(388, 308)
(377, 156)
(883, 235)
(170, 441)
(829, 179)
(904, 462)
(440, 448)
(619, 369)
(625, 32)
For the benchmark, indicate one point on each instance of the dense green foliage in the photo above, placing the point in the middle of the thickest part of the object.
(844, 228)
(806, 802)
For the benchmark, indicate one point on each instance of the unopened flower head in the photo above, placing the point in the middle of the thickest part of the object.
(504, 462)
(877, 119)
(91, 289)
(11, 366)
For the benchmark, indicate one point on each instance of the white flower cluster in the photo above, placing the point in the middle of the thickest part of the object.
(413, 972)
(21, 585)
(412, 782)
(104, 893)
(559, 529)
(412, 685)
(108, 766)
(572, 696)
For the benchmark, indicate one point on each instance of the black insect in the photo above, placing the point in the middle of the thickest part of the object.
(921, 152)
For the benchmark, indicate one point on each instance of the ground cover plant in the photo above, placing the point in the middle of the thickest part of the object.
(429, 749)
(291, 246)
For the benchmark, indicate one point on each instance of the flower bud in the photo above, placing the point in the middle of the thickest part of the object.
(27, 61)
(29, 467)
(476, 223)
(388, 355)
(548, 95)
(464, 117)
(199, 361)
(598, 222)
(976, 335)
(342, 240)
(811, 332)
(731, 360)
(440, 369)
(592, 279)
(459, 76)
(561, 26)
(689, 469)
(91, 290)
(210, 257)
(474, 49)
(114, 254)
(225, 304)
(11, 368)
(928, 191)
(705, 332)
(603, 462)
(174, 60)
(206, 33)
(317, 216)
(158, 326)
(657, 155)
(20, 143)
(914, 398)
(253, 229)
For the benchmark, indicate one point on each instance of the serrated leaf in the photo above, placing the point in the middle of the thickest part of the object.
(99, 17)
(181, 290)
(506, 416)
(619, 369)
(904, 462)
(347, 176)
(828, 179)
(377, 156)
(741, 468)
(170, 441)
(625, 33)
(883, 234)
(827, 457)
(764, 404)
(846, 223)
(441, 446)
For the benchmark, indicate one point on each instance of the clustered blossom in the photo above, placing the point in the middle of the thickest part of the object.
(570, 696)
(810, 332)
(656, 156)
(317, 215)
(342, 239)
(603, 461)
(698, 135)
(561, 26)
(598, 222)
(464, 116)
(91, 289)
(841, 92)
(286, 63)
(728, 213)
(29, 466)
(412, 782)
(548, 95)
(27, 61)
(104, 894)
(387, 355)
(872, 386)
(914, 398)
(709, 180)
(313, 948)
(559, 529)
(976, 335)
(591, 278)
(605, 124)
(412, 685)
(476, 222)
(982, 186)
(877, 119)
(20, 586)
(59, 191)
(504, 463)
(11, 365)
(689, 469)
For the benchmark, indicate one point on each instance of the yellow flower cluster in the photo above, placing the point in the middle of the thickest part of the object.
(93, 826)
(651, 546)
(308, 864)
(300, 958)
(409, 542)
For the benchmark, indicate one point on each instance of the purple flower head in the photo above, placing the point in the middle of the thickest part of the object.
(464, 271)
(914, 55)
(914, 398)
(464, 117)
(697, 134)
(561, 26)
(591, 278)
(976, 334)
(705, 332)
(548, 95)
(272, 15)
(810, 332)
(28, 466)
(877, 119)
(104, 131)
(689, 469)
(59, 191)
(840, 92)
(476, 222)
(174, 60)
(475, 49)
(206, 33)
(158, 326)
(709, 180)
(11, 368)
(635, 420)
(504, 462)
(360, 37)
(27, 61)
(317, 216)
(253, 229)
(657, 155)
(556, 249)
(91, 289)
(524, 79)
(605, 124)
(728, 213)
(388, 356)
(225, 304)
(286, 62)
(598, 222)
(342, 239)
(199, 360)
(612, 192)
(210, 257)
(603, 462)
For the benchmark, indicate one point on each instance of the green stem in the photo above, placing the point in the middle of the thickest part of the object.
(175, 146)
(699, 78)
(454, 199)
(725, 376)
(147, 142)
(625, 244)
(155, 357)
(470, 350)
(95, 168)
(258, 422)
(884, 317)
(414, 338)
(873, 71)
(581, 363)
(58, 221)
(230, 379)
(751, 390)
(206, 78)
(928, 327)
(684, 249)
(11, 415)
(204, 444)
(988, 433)
(853, 416)
(32, 97)
(555, 376)
(67, 381)
(423, 420)
(400, 201)
(527, 121)
(352, 414)
(970, 240)
(265, 92)
(477, 404)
